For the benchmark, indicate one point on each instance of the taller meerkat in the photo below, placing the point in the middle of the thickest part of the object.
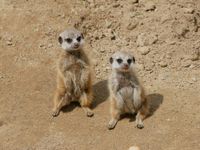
(74, 81)
(126, 93)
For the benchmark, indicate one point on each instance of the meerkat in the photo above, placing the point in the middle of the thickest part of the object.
(74, 78)
(126, 93)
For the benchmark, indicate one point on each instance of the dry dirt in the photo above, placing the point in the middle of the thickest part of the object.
(164, 36)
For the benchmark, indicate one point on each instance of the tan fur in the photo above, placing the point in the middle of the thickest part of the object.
(74, 81)
(126, 96)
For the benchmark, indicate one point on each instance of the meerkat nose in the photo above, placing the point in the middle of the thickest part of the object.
(125, 66)
(76, 44)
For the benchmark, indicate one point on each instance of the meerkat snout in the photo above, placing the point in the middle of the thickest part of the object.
(71, 40)
(122, 61)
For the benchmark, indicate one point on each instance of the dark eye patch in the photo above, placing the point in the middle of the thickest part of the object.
(119, 60)
(129, 61)
(78, 39)
(68, 40)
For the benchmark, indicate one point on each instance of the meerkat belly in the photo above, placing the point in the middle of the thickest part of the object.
(78, 80)
(126, 95)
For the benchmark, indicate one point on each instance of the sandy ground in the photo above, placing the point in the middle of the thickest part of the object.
(163, 36)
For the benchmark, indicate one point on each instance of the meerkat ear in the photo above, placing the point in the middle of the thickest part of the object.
(111, 60)
(60, 40)
(133, 59)
(82, 36)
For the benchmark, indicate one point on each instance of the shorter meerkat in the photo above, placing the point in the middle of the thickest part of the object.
(126, 93)
(74, 81)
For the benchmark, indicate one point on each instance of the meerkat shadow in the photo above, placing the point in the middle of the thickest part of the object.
(154, 101)
(101, 92)
(70, 107)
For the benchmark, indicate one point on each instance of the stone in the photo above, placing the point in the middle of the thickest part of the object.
(163, 64)
(9, 43)
(108, 24)
(50, 45)
(134, 1)
(144, 39)
(116, 5)
(194, 79)
(186, 63)
(189, 10)
(150, 6)
(113, 37)
(102, 50)
(132, 25)
(144, 50)
(180, 28)
(134, 148)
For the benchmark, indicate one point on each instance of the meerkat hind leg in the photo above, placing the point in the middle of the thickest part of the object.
(139, 120)
(61, 99)
(85, 103)
(115, 115)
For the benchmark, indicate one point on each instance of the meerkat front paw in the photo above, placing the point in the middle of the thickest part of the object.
(90, 113)
(55, 113)
(112, 123)
(140, 125)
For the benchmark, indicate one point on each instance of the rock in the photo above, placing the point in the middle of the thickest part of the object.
(195, 55)
(186, 63)
(132, 25)
(180, 28)
(102, 50)
(134, 148)
(150, 6)
(113, 37)
(9, 43)
(41, 45)
(116, 5)
(189, 10)
(146, 39)
(133, 14)
(134, 1)
(144, 50)
(50, 45)
(140, 67)
(194, 79)
(163, 64)
(107, 68)
(149, 66)
(108, 24)
(165, 18)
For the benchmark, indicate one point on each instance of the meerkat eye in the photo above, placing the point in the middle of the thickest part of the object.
(78, 39)
(68, 40)
(129, 61)
(119, 60)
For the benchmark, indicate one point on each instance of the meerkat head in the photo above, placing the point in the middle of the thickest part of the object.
(122, 61)
(71, 40)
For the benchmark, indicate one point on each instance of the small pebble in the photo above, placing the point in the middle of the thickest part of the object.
(134, 1)
(134, 148)
(116, 5)
(150, 6)
(189, 10)
(163, 64)
(132, 25)
(144, 50)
